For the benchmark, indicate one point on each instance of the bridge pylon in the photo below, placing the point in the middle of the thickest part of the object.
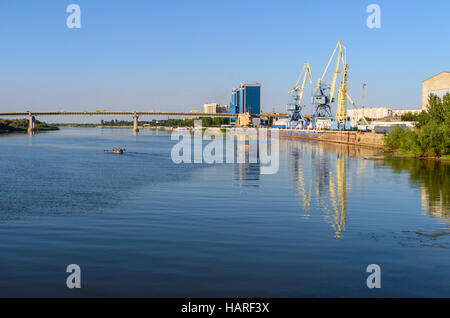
(135, 123)
(31, 124)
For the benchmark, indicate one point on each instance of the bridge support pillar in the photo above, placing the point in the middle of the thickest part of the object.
(135, 124)
(31, 124)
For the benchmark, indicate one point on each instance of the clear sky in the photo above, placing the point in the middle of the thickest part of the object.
(177, 55)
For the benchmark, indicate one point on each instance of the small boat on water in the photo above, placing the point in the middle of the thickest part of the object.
(118, 151)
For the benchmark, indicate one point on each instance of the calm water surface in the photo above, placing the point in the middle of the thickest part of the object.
(139, 225)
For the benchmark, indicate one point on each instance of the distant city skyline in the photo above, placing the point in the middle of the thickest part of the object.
(180, 55)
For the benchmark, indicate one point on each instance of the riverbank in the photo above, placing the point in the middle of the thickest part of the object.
(21, 125)
(430, 137)
(343, 137)
(364, 139)
(400, 155)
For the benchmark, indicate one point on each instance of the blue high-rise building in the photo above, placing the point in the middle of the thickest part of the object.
(246, 99)
(251, 98)
(234, 104)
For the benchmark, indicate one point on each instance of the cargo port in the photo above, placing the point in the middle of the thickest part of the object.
(330, 120)
(343, 127)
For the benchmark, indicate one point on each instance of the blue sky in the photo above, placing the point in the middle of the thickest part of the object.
(177, 55)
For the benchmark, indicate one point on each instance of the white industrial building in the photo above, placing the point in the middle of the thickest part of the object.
(375, 113)
(400, 112)
(378, 113)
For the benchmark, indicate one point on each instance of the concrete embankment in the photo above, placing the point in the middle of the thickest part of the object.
(344, 137)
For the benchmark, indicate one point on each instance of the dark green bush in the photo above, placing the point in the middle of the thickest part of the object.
(431, 137)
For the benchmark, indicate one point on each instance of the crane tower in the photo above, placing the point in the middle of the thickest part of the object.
(296, 120)
(324, 93)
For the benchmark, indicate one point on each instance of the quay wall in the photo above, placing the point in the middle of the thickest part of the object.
(344, 137)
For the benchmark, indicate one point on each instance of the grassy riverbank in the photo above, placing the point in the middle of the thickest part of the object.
(206, 122)
(78, 125)
(21, 125)
(430, 138)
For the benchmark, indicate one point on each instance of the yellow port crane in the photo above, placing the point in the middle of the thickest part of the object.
(342, 121)
(341, 112)
(341, 57)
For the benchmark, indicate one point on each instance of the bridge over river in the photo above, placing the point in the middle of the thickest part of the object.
(134, 114)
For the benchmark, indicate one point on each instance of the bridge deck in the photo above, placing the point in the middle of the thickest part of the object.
(113, 113)
(126, 113)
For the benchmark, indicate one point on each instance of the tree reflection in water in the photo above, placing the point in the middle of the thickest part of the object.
(322, 175)
(433, 177)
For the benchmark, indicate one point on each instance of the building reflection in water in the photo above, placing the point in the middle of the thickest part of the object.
(247, 170)
(247, 174)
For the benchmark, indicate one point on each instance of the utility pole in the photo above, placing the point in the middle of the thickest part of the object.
(363, 86)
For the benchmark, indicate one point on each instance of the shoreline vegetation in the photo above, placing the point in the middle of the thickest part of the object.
(171, 123)
(430, 137)
(21, 125)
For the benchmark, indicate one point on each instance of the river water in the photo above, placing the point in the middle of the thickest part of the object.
(139, 225)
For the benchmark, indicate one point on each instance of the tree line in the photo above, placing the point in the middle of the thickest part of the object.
(7, 125)
(206, 122)
(431, 135)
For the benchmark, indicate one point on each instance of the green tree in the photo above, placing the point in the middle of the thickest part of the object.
(409, 116)
(431, 135)
(207, 121)
(217, 121)
(436, 108)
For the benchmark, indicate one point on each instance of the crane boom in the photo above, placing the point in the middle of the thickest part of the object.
(326, 68)
(298, 79)
(306, 70)
(340, 58)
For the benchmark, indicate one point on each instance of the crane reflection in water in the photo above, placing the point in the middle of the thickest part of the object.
(320, 175)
